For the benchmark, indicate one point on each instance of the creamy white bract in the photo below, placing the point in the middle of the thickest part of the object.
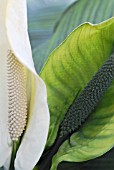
(23, 103)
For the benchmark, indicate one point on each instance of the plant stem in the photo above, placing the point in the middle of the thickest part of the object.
(14, 150)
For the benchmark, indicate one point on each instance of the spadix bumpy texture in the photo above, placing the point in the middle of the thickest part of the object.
(17, 97)
(89, 98)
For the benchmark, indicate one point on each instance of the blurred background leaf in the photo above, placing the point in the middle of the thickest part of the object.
(94, 11)
(42, 16)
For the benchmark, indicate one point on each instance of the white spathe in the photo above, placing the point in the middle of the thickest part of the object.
(14, 37)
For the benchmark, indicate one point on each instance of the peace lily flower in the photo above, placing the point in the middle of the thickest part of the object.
(23, 101)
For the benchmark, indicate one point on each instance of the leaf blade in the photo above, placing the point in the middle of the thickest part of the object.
(84, 51)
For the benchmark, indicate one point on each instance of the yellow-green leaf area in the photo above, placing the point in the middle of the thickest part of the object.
(68, 70)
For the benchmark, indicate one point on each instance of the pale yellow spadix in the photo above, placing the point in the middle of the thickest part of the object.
(23, 100)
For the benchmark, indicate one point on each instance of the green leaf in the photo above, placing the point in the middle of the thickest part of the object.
(93, 11)
(69, 68)
(104, 162)
(42, 16)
